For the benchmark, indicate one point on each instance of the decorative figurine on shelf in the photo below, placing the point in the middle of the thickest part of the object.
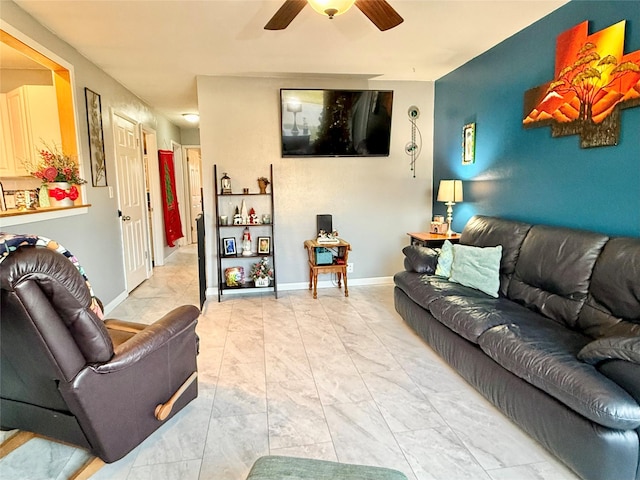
(246, 243)
(326, 237)
(253, 218)
(263, 182)
(243, 212)
(237, 218)
(225, 184)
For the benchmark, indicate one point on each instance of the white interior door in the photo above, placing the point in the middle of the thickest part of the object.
(195, 188)
(131, 198)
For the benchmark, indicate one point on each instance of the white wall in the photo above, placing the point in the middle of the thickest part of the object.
(374, 201)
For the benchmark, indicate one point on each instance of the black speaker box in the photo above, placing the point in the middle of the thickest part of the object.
(324, 222)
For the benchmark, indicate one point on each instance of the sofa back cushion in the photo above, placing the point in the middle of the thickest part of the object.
(553, 271)
(483, 231)
(612, 307)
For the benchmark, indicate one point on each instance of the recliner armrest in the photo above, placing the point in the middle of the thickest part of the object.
(151, 338)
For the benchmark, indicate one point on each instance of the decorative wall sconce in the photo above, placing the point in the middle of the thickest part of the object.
(414, 147)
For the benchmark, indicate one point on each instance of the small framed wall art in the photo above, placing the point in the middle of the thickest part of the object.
(96, 139)
(469, 143)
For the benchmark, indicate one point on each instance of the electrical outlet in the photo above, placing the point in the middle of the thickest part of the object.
(349, 267)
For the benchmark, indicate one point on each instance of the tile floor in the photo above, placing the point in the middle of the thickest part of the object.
(334, 378)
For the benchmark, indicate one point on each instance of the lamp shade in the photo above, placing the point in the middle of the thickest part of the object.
(450, 191)
(294, 107)
(331, 7)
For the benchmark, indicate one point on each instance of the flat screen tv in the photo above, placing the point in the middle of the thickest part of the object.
(335, 123)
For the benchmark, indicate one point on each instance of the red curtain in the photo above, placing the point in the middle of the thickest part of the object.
(172, 224)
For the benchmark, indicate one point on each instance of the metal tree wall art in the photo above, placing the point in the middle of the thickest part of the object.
(593, 81)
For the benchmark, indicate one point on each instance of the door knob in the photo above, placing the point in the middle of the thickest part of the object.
(126, 218)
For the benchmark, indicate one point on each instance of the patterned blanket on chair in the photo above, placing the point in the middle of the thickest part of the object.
(10, 242)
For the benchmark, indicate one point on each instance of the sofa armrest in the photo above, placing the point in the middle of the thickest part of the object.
(611, 348)
(151, 338)
(420, 259)
(625, 374)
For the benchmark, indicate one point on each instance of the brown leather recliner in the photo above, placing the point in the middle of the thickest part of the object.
(66, 374)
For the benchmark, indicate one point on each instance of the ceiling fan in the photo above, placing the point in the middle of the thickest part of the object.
(378, 11)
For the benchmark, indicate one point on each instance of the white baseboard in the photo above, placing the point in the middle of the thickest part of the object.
(282, 287)
(115, 302)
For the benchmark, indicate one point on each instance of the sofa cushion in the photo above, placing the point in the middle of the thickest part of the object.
(610, 348)
(445, 260)
(471, 316)
(483, 231)
(424, 289)
(553, 271)
(612, 307)
(477, 267)
(544, 354)
(420, 259)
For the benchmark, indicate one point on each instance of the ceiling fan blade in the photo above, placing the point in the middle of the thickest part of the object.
(380, 13)
(287, 12)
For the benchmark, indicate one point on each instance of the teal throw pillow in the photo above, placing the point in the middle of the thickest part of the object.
(477, 267)
(443, 269)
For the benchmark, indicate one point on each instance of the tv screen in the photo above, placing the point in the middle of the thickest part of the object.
(335, 123)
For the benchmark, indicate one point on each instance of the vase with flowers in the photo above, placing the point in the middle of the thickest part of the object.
(59, 174)
(261, 273)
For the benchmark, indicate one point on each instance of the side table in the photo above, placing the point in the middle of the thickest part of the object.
(432, 240)
(339, 265)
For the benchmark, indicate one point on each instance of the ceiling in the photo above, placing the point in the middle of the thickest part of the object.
(157, 48)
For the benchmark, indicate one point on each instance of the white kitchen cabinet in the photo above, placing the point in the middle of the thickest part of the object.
(29, 117)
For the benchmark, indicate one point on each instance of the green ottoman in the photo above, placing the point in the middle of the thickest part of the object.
(274, 467)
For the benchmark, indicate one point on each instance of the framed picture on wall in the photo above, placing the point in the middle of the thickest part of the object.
(96, 139)
(469, 143)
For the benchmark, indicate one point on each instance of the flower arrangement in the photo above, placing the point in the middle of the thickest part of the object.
(264, 180)
(261, 270)
(55, 166)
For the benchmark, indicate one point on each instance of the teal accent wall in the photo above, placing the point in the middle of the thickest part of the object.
(526, 174)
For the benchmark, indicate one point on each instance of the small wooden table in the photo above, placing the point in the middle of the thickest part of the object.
(338, 268)
(432, 240)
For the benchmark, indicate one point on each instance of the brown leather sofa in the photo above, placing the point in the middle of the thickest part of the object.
(66, 374)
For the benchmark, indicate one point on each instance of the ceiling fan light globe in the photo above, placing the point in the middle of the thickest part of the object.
(331, 8)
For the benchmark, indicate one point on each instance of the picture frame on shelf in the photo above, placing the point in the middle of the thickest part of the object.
(264, 245)
(229, 247)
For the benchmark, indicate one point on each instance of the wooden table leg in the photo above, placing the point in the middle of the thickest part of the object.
(310, 278)
(315, 284)
(339, 275)
(346, 289)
